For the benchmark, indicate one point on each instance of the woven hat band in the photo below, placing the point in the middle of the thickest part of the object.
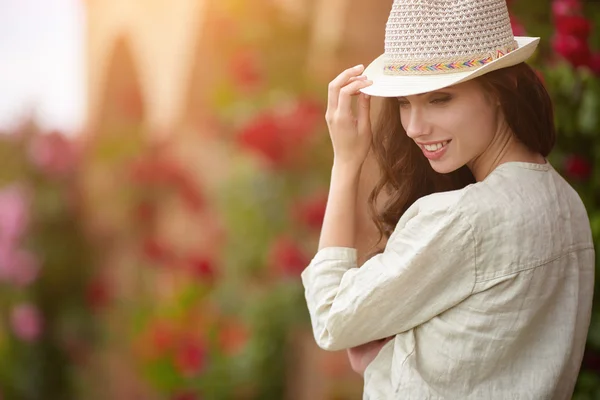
(446, 66)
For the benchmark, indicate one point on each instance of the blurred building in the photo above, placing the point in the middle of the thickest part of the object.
(151, 60)
(160, 50)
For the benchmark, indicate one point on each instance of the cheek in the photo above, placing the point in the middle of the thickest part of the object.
(476, 132)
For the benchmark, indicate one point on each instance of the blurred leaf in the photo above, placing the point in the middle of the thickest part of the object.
(163, 375)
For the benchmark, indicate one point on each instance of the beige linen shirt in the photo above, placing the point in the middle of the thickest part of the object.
(487, 291)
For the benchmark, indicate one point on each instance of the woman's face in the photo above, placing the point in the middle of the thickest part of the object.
(454, 126)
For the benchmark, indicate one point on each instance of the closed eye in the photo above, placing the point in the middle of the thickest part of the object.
(441, 100)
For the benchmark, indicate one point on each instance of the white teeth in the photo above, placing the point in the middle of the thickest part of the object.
(434, 147)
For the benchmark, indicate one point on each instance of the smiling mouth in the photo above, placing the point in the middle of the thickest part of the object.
(435, 147)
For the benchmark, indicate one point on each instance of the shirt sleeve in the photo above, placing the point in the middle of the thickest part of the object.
(427, 267)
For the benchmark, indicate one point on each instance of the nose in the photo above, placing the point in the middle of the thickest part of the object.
(414, 122)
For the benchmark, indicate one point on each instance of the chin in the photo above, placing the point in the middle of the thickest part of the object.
(444, 167)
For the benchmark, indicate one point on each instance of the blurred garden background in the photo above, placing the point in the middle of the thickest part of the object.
(154, 250)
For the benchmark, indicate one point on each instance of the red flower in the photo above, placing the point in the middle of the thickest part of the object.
(574, 25)
(201, 267)
(190, 357)
(191, 196)
(287, 258)
(157, 172)
(145, 211)
(233, 337)
(246, 70)
(262, 135)
(162, 337)
(301, 120)
(573, 49)
(185, 396)
(594, 63)
(97, 294)
(517, 27)
(156, 251)
(278, 137)
(311, 211)
(577, 168)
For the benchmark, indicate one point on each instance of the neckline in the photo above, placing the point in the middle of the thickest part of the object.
(529, 165)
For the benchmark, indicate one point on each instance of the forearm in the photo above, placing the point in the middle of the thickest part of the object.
(339, 224)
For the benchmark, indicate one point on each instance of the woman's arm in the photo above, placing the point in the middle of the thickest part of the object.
(366, 236)
(351, 141)
(339, 224)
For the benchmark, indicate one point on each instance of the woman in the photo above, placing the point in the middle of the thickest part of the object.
(484, 288)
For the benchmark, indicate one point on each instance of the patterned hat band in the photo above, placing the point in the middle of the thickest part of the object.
(445, 66)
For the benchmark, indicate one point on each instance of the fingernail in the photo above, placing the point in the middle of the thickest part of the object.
(358, 66)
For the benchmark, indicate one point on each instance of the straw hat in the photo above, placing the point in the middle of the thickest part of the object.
(432, 44)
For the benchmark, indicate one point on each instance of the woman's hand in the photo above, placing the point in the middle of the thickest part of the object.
(361, 356)
(350, 136)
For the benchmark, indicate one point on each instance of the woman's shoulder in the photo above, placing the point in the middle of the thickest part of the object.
(436, 205)
(474, 203)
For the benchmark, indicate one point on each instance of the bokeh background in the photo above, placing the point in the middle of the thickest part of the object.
(165, 168)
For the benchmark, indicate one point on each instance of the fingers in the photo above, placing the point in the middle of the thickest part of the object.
(346, 93)
(336, 85)
(364, 113)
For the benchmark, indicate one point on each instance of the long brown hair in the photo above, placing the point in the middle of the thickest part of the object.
(406, 175)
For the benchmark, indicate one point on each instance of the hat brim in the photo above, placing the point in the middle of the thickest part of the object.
(405, 85)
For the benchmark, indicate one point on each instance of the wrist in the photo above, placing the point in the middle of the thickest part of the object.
(349, 168)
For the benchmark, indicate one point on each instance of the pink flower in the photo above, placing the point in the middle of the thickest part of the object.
(573, 49)
(517, 27)
(561, 8)
(53, 153)
(26, 322)
(14, 213)
(18, 267)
